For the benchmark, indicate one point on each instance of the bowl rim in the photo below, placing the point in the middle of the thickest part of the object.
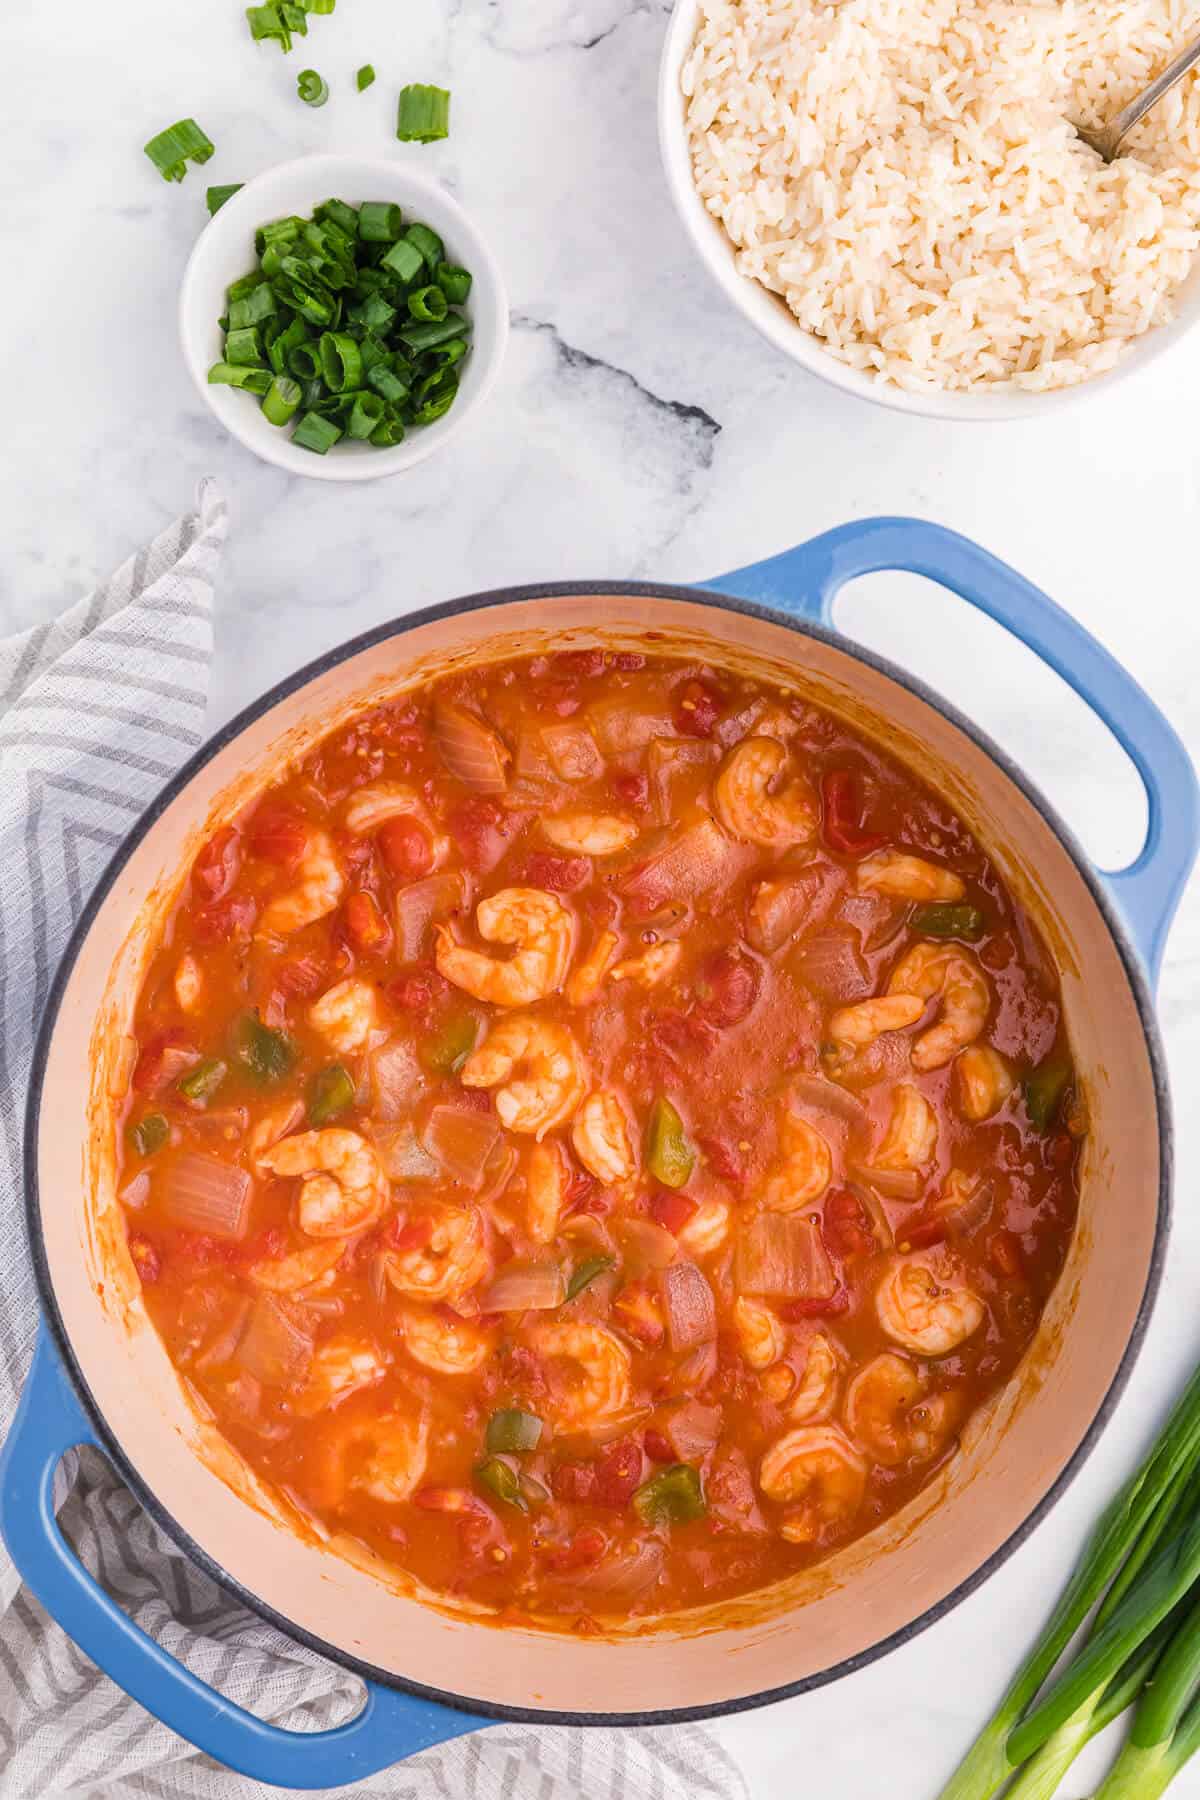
(768, 314)
(413, 189)
(228, 733)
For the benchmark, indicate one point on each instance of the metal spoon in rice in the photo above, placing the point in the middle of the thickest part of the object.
(1106, 140)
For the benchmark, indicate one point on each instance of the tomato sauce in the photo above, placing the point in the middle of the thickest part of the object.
(600, 1128)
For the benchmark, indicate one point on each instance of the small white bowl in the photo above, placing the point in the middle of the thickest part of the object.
(225, 250)
(769, 314)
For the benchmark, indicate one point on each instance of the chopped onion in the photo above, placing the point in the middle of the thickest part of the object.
(620, 727)
(136, 1192)
(689, 1306)
(532, 762)
(696, 1369)
(202, 1194)
(461, 1140)
(402, 1154)
(824, 1095)
(664, 760)
(228, 1335)
(880, 1222)
(396, 1079)
(782, 1254)
(419, 904)
(274, 1348)
(896, 1184)
(377, 1280)
(176, 1060)
(572, 750)
(963, 1215)
(833, 968)
(534, 1284)
(646, 1246)
(470, 749)
(693, 1430)
(628, 1571)
(498, 1171)
(691, 862)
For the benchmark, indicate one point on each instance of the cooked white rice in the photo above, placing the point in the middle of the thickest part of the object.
(902, 173)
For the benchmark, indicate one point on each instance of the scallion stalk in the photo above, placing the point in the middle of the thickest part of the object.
(173, 149)
(312, 88)
(364, 77)
(422, 114)
(216, 197)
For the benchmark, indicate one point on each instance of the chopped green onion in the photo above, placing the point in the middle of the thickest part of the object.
(345, 217)
(672, 1497)
(281, 400)
(201, 1083)
(425, 336)
(149, 1134)
(390, 433)
(266, 23)
(670, 1158)
(320, 6)
(223, 374)
(428, 243)
(265, 1054)
(316, 433)
(387, 384)
(243, 347)
(941, 920)
(366, 415)
(1044, 1088)
(447, 354)
(280, 349)
(279, 231)
(365, 77)
(447, 1051)
(404, 261)
(252, 308)
(422, 115)
(293, 17)
(427, 303)
(304, 361)
(436, 396)
(586, 1272)
(174, 148)
(512, 1430)
(312, 88)
(330, 1092)
(379, 222)
(455, 283)
(374, 313)
(501, 1482)
(341, 361)
(216, 197)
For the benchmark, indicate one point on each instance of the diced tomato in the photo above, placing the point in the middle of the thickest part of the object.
(681, 1036)
(841, 815)
(637, 1312)
(795, 1310)
(920, 1233)
(587, 1546)
(672, 1210)
(300, 976)
(266, 1246)
(590, 1200)
(573, 1481)
(367, 928)
(578, 662)
(482, 830)
(628, 660)
(158, 1058)
(227, 921)
(215, 869)
(146, 1259)
(846, 1227)
(631, 789)
(546, 869)
(418, 989)
(724, 1158)
(618, 1472)
(278, 834)
(1004, 1254)
(727, 984)
(409, 1234)
(406, 847)
(697, 709)
(657, 1447)
(198, 1247)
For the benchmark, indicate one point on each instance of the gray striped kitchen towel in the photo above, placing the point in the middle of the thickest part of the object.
(97, 711)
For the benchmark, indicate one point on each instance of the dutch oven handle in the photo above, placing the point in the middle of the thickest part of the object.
(390, 1726)
(805, 582)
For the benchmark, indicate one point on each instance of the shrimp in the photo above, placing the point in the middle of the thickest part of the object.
(546, 1181)
(373, 805)
(982, 1081)
(707, 1228)
(805, 1170)
(906, 877)
(654, 965)
(912, 1133)
(541, 930)
(395, 1463)
(449, 1264)
(923, 1308)
(853, 1028)
(602, 1139)
(953, 974)
(893, 1416)
(189, 983)
(444, 1343)
(761, 1334)
(340, 1366)
(596, 1386)
(588, 977)
(591, 834)
(344, 1188)
(301, 1269)
(748, 809)
(818, 1471)
(553, 1073)
(345, 1015)
(274, 1124)
(814, 1398)
(317, 892)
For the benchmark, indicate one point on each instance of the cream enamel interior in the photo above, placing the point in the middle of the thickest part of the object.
(864, 1595)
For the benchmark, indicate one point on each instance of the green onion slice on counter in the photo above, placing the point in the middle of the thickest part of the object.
(422, 114)
(365, 77)
(173, 149)
(312, 88)
(216, 197)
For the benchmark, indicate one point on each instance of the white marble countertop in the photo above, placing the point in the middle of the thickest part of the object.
(639, 429)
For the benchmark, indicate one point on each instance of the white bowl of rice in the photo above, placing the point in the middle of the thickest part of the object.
(890, 192)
